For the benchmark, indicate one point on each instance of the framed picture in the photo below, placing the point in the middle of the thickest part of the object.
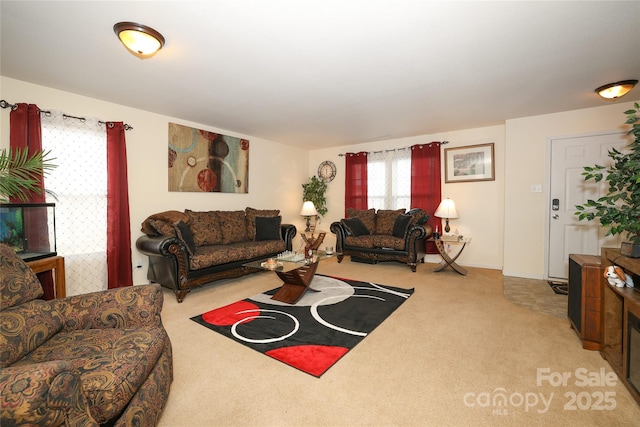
(469, 163)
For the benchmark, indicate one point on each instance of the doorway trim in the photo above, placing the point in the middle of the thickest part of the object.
(547, 185)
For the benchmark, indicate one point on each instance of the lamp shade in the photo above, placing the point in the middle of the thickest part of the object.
(446, 209)
(308, 209)
(616, 90)
(143, 41)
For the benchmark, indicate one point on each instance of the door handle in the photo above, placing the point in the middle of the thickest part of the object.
(555, 216)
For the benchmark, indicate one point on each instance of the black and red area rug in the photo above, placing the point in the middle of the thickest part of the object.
(317, 331)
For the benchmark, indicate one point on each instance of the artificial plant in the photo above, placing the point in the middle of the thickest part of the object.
(619, 209)
(20, 173)
(314, 191)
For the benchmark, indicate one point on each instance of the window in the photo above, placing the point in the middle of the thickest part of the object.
(389, 179)
(80, 184)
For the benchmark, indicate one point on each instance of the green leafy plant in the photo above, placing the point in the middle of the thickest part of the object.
(20, 173)
(314, 191)
(619, 209)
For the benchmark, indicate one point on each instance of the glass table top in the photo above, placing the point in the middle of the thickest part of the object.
(284, 265)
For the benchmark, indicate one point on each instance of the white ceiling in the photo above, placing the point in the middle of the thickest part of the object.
(333, 72)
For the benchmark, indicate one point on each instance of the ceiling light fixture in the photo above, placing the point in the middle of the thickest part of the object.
(613, 91)
(141, 40)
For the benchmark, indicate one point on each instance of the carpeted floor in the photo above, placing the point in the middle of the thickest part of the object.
(449, 356)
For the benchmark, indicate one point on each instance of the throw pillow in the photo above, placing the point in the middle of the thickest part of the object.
(251, 219)
(205, 227)
(184, 234)
(162, 223)
(368, 217)
(385, 219)
(233, 225)
(401, 225)
(420, 217)
(355, 226)
(268, 228)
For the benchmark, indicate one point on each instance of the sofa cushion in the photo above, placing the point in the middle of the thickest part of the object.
(205, 227)
(183, 232)
(234, 226)
(388, 242)
(113, 363)
(359, 241)
(251, 215)
(25, 327)
(385, 220)
(18, 283)
(213, 255)
(268, 228)
(355, 227)
(162, 223)
(368, 217)
(401, 225)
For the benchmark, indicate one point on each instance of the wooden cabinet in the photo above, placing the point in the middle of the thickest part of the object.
(584, 301)
(617, 304)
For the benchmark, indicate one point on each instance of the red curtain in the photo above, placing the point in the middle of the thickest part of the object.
(118, 225)
(25, 132)
(426, 191)
(355, 193)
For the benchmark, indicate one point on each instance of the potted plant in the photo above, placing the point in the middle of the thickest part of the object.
(619, 209)
(20, 173)
(314, 191)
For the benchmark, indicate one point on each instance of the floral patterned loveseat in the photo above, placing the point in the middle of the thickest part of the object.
(85, 360)
(189, 249)
(385, 235)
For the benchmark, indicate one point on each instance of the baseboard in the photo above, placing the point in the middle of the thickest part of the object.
(437, 259)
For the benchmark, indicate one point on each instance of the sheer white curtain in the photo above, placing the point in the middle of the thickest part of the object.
(389, 179)
(80, 184)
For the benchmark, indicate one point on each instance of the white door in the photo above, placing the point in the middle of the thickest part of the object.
(567, 235)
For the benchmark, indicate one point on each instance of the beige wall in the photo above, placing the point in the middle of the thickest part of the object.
(526, 164)
(505, 220)
(147, 161)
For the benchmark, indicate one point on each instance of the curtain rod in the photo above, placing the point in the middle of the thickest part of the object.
(5, 104)
(397, 149)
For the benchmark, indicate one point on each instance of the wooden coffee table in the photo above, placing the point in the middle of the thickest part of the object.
(296, 276)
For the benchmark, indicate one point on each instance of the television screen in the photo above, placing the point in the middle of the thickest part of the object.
(12, 228)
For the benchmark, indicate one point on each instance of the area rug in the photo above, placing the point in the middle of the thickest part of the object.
(560, 288)
(317, 331)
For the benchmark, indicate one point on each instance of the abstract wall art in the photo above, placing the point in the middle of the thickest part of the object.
(207, 162)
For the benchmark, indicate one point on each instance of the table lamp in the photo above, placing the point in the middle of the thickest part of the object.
(446, 209)
(308, 210)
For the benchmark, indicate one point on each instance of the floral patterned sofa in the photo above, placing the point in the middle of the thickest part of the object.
(189, 249)
(385, 235)
(86, 360)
